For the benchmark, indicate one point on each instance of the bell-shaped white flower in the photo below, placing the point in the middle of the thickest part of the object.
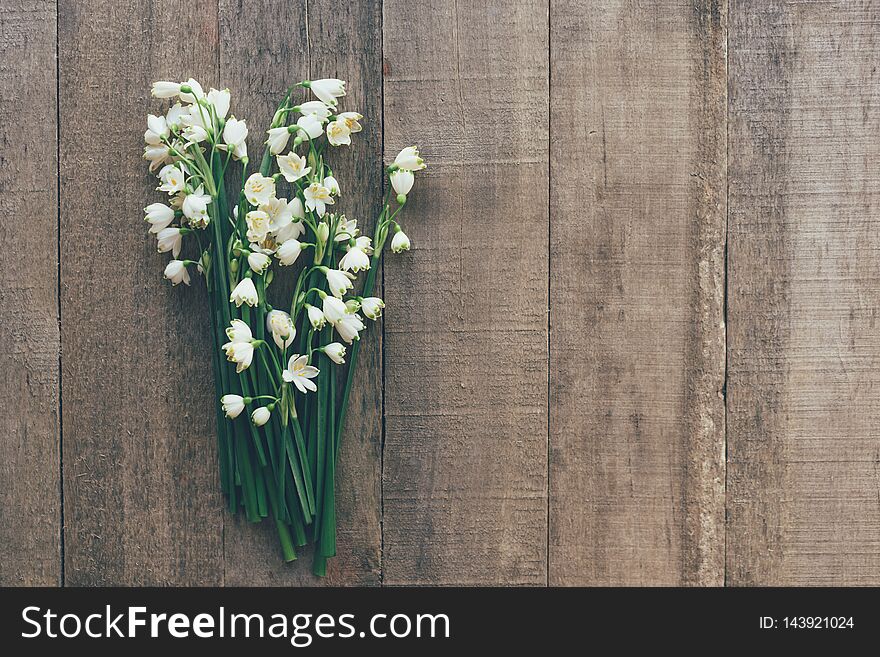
(258, 262)
(315, 107)
(328, 89)
(288, 252)
(165, 89)
(409, 159)
(316, 317)
(335, 352)
(159, 216)
(311, 125)
(176, 272)
(220, 101)
(195, 91)
(240, 348)
(339, 282)
(174, 117)
(333, 185)
(338, 133)
(346, 229)
(172, 178)
(195, 205)
(244, 292)
(290, 231)
(292, 166)
(318, 198)
(261, 415)
(351, 120)
(259, 189)
(300, 373)
(349, 327)
(170, 239)
(158, 126)
(239, 331)
(257, 226)
(400, 242)
(235, 133)
(402, 181)
(156, 155)
(233, 405)
(280, 325)
(280, 213)
(372, 307)
(278, 138)
(333, 309)
(365, 244)
(354, 260)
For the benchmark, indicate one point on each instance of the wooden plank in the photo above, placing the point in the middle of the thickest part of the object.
(270, 48)
(804, 352)
(465, 457)
(637, 202)
(141, 491)
(30, 492)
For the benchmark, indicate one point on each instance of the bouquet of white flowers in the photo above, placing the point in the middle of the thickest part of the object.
(278, 459)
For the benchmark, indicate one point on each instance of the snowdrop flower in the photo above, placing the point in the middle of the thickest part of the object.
(372, 307)
(335, 352)
(278, 138)
(233, 405)
(333, 309)
(290, 231)
(195, 91)
(351, 120)
(259, 189)
(165, 89)
(235, 133)
(281, 326)
(176, 272)
(157, 126)
(365, 244)
(400, 242)
(239, 331)
(195, 205)
(244, 292)
(159, 216)
(311, 124)
(299, 373)
(332, 185)
(402, 181)
(258, 225)
(220, 101)
(346, 230)
(354, 260)
(348, 327)
(292, 166)
(288, 252)
(318, 198)
(260, 416)
(156, 154)
(258, 262)
(240, 348)
(328, 89)
(174, 117)
(314, 107)
(338, 281)
(170, 239)
(409, 159)
(338, 133)
(173, 179)
(316, 317)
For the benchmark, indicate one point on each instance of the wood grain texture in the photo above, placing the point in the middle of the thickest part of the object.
(30, 500)
(465, 458)
(804, 352)
(271, 47)
(637, 199)
(141, 493)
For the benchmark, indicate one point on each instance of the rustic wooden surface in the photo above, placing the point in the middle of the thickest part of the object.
(634, 342)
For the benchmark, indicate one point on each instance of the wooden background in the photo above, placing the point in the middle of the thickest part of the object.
(636, 340)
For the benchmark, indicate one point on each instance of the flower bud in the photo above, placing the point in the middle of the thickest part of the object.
(260, 416)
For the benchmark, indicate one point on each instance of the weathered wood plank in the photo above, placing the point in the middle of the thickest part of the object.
(465, 457)
(638, 114)
(269, 47)
(141, 493)
(30, 491)
(804, 354)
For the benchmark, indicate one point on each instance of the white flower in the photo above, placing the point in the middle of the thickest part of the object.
(176, 272)
(239, 331)
(317, 198)
(278, 138)
(316, 317)
(258, 262)
(311, 124)
(354, 260)
(240, 348)
(334, 309)
(292, 166)
(260, 416)
(296, 208)
(233, 405)
(288, 252)
(220, 101)
(338, 281)
(409, 159)
(338, 133)
(157, 155)
(258, 225)
(353, 305)
(290, 231)
(195, 205)
(322, 233)
(402, 181)
(280, 213)
(348, 327)
(346, 230)
(235, 133)
(173, 179)
(195, 93)
(281, 326)
(159, 216)
(332, 185)
(328, 89)
(365, 244)
(400, 242)
(335, 352)
(244, 292)
(175, 115)
(351, 120)
(165, 89)
(158, 126)
(259, 189)
(372, 307)
(170, 239)
(315, 107)
(299, 373)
